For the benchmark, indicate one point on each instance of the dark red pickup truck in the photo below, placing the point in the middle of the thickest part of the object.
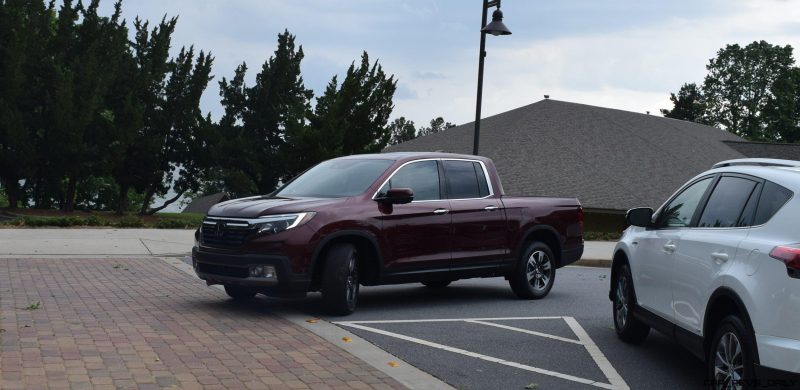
(383, 219)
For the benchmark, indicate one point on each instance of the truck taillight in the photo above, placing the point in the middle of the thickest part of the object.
(789, 256)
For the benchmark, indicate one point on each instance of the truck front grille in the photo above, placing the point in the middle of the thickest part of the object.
(234, 272)
(223, 233)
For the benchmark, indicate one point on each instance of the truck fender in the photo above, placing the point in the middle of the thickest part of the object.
(315, 257)
(538, 229)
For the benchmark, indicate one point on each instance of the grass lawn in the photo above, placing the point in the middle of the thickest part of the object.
(57, 218)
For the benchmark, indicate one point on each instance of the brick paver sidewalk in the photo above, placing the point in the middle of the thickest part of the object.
(141, 323)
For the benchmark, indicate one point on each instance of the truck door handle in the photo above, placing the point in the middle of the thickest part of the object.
(720, 257)
(669, 248)
(441, 211)
(490, 208)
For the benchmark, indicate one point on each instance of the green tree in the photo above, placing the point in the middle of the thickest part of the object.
(351, 118)
(688, 104)
(86, 53)
(401, 130)
(263, 127)
(136, 109)
(26, 28)
(782, 112)
(739, 86)
(181, 131)
(437, 125)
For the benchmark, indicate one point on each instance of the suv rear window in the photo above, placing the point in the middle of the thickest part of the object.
(773, 197)
(725, 205)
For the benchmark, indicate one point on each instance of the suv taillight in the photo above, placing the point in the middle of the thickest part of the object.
(580, 217)
(789, 256)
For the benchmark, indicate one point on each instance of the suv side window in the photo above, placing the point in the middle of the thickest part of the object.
(422, 177)
(773, 197)
(727, 202)
(679, 212)
(461, 179)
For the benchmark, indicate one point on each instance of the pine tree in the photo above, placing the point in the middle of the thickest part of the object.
(351, 118)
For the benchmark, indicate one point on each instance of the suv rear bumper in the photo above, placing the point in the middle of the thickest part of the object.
(234, 269)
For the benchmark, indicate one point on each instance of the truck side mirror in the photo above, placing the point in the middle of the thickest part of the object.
(397, 196)
(639, 216)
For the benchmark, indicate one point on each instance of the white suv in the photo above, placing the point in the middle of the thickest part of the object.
(717, 268)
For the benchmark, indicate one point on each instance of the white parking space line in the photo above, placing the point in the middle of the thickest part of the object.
(615, 381)
(531, 332)
(594, 351)
(446, 320)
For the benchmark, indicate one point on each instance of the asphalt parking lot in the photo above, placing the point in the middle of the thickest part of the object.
(475, 334)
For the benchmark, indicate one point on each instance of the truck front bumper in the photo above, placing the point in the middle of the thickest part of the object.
(236, 269)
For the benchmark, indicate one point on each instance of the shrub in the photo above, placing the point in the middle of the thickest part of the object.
(52, 221)
(94, 220)
(172, 224)
(129, 221)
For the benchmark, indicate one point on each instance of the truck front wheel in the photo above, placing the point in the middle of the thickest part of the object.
(535, 272)
(340, 280)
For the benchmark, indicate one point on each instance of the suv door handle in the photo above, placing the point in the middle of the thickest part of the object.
(441, 211)
(490, 208)
(669, 248)
(720, 257)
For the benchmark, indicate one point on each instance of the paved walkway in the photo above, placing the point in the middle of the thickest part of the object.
(141, 323)
(95, 242)
(155, 242)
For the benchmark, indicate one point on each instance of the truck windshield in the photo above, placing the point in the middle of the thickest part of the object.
(336, 179)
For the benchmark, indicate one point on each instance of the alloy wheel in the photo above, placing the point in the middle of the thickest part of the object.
(621, 301)
(538, 270)
(728, 365)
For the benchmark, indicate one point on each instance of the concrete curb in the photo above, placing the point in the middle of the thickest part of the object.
(405, 373)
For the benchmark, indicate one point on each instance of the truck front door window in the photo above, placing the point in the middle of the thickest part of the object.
(422, 177)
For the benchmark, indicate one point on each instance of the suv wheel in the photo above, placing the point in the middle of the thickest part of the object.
(535, 272)
(340, 281)
(436, 284)
(730, 360)
(239, 293)
(628, 327)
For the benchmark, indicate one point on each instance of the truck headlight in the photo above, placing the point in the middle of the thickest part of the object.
(272, 224)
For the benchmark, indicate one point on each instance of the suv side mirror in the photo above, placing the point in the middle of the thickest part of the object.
(639, 216)
(397, 196)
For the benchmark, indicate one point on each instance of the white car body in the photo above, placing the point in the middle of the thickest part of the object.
(679, 273)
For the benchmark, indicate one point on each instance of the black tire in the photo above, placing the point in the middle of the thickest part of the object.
(239, 293)
(629, 328)
(340, 281)
(731, 330)
(535, 273)
(437, 284)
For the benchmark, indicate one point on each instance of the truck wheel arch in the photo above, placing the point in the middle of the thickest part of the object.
(544, 233)
(371, 263)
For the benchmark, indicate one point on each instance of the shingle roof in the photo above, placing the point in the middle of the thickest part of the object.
(766, 149)
(203, 203)
(609, 159)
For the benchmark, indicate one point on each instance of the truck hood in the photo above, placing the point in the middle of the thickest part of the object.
(257, 206)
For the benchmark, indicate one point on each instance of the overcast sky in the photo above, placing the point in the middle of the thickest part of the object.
(611, 53)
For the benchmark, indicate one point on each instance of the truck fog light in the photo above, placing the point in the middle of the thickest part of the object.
(262, 271)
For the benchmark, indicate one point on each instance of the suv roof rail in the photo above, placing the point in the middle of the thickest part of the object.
(761, 162)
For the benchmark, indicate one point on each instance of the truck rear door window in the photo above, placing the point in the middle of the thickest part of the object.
(461, 179)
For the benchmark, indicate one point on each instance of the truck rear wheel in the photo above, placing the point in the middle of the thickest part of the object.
(340, 280)
(535, 272)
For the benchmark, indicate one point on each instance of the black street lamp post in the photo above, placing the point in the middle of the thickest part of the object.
(496, 27)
